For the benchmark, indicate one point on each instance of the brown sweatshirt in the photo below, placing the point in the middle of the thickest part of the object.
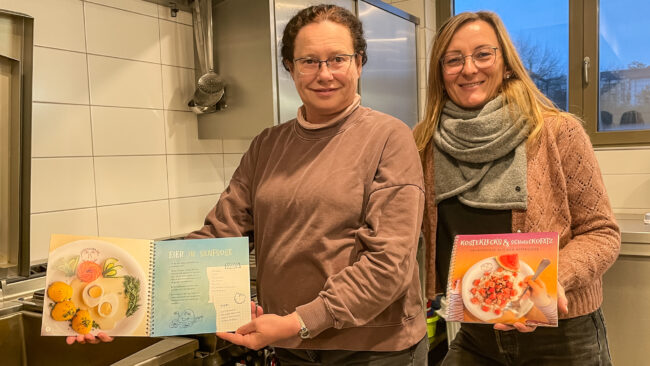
(335, 210)
(566, 194)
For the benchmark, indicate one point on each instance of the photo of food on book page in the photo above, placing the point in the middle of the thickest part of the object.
(96, 285)
(135, 287)
(504, 278)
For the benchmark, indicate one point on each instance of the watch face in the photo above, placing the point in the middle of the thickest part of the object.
(303, 333)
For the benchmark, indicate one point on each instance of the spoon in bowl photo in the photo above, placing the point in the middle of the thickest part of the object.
(515, 305)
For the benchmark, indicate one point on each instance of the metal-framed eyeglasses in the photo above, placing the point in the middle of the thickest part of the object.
(454, 62)
(337, 64)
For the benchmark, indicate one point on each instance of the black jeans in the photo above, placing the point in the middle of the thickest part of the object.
(577, 341)
(415, 355)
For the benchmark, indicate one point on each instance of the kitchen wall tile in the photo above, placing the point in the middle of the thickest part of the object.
(136, 6)
(178, 87)
(124, 83)
(183, 135)
(630, 191)
(144, 220)
(72, 222)
(61, 130)
(176, 44)
(193, 175)
(230, 164)
(231, 146)
(130, 179)
(58, 24)
(60, 76)
(628, 161)
(128, 131)
(187, 214)
(61, 184)
(184, 17)
(119, 33)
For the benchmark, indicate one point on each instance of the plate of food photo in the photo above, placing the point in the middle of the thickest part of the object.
(95, 287)
(491, 283)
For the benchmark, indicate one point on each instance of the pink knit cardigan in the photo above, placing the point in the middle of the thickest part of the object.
(566, 195)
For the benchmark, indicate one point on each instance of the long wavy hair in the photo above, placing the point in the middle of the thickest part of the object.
(519, 90)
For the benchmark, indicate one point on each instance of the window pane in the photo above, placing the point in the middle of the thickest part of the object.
(624, 91)
(540, 31)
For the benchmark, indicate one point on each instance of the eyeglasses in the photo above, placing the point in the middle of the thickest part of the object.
(454, 62)
(338, 64)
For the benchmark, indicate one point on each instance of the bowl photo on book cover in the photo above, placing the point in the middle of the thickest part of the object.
(94, 287)
(491, 283)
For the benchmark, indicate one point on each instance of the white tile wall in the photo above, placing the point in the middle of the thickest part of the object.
(60, 76)
(111, 83)
(43, 225)
(626, 173)
(121, 33)
(58, 23)
(186, 212)
(193, 175)
(183, 135)
(176, 44)
(62, 184)
(124, 83)
(128, 179)
(178, 87)
(128, 131)
(61, 130)
(144, 220)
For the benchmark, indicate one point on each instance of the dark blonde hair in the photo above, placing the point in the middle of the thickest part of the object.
(321, 13)
(519, 90)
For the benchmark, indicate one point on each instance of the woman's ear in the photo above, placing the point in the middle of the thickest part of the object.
(288, 65)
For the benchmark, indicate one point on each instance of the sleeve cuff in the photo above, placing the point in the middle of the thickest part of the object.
(315, 316)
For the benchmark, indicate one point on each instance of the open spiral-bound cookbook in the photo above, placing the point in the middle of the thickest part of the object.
(135, 287)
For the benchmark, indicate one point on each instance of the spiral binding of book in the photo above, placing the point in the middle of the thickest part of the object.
(150, 319)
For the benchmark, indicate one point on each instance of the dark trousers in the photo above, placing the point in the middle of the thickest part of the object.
(415, 355)
(577, 341)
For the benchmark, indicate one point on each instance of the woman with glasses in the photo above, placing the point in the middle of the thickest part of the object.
(499, 157)
(334, 201)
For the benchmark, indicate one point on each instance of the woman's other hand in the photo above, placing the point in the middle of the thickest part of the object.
(89, 338)
(516, 326)
(263, 330)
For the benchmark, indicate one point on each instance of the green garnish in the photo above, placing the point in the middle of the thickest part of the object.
(110, 267)
(67, 265)
(132, 293)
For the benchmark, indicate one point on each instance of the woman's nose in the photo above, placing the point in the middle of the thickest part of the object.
(324, 72)
(469, 67)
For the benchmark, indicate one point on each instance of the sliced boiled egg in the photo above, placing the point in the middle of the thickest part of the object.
(92, 294)
(108, 306)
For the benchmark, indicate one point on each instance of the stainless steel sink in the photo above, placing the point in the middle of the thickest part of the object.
(21, 344)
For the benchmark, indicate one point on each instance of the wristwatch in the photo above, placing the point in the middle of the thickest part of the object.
(303, 332)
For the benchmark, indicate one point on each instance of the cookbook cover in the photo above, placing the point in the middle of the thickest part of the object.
(492, 279)
(135, 287)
